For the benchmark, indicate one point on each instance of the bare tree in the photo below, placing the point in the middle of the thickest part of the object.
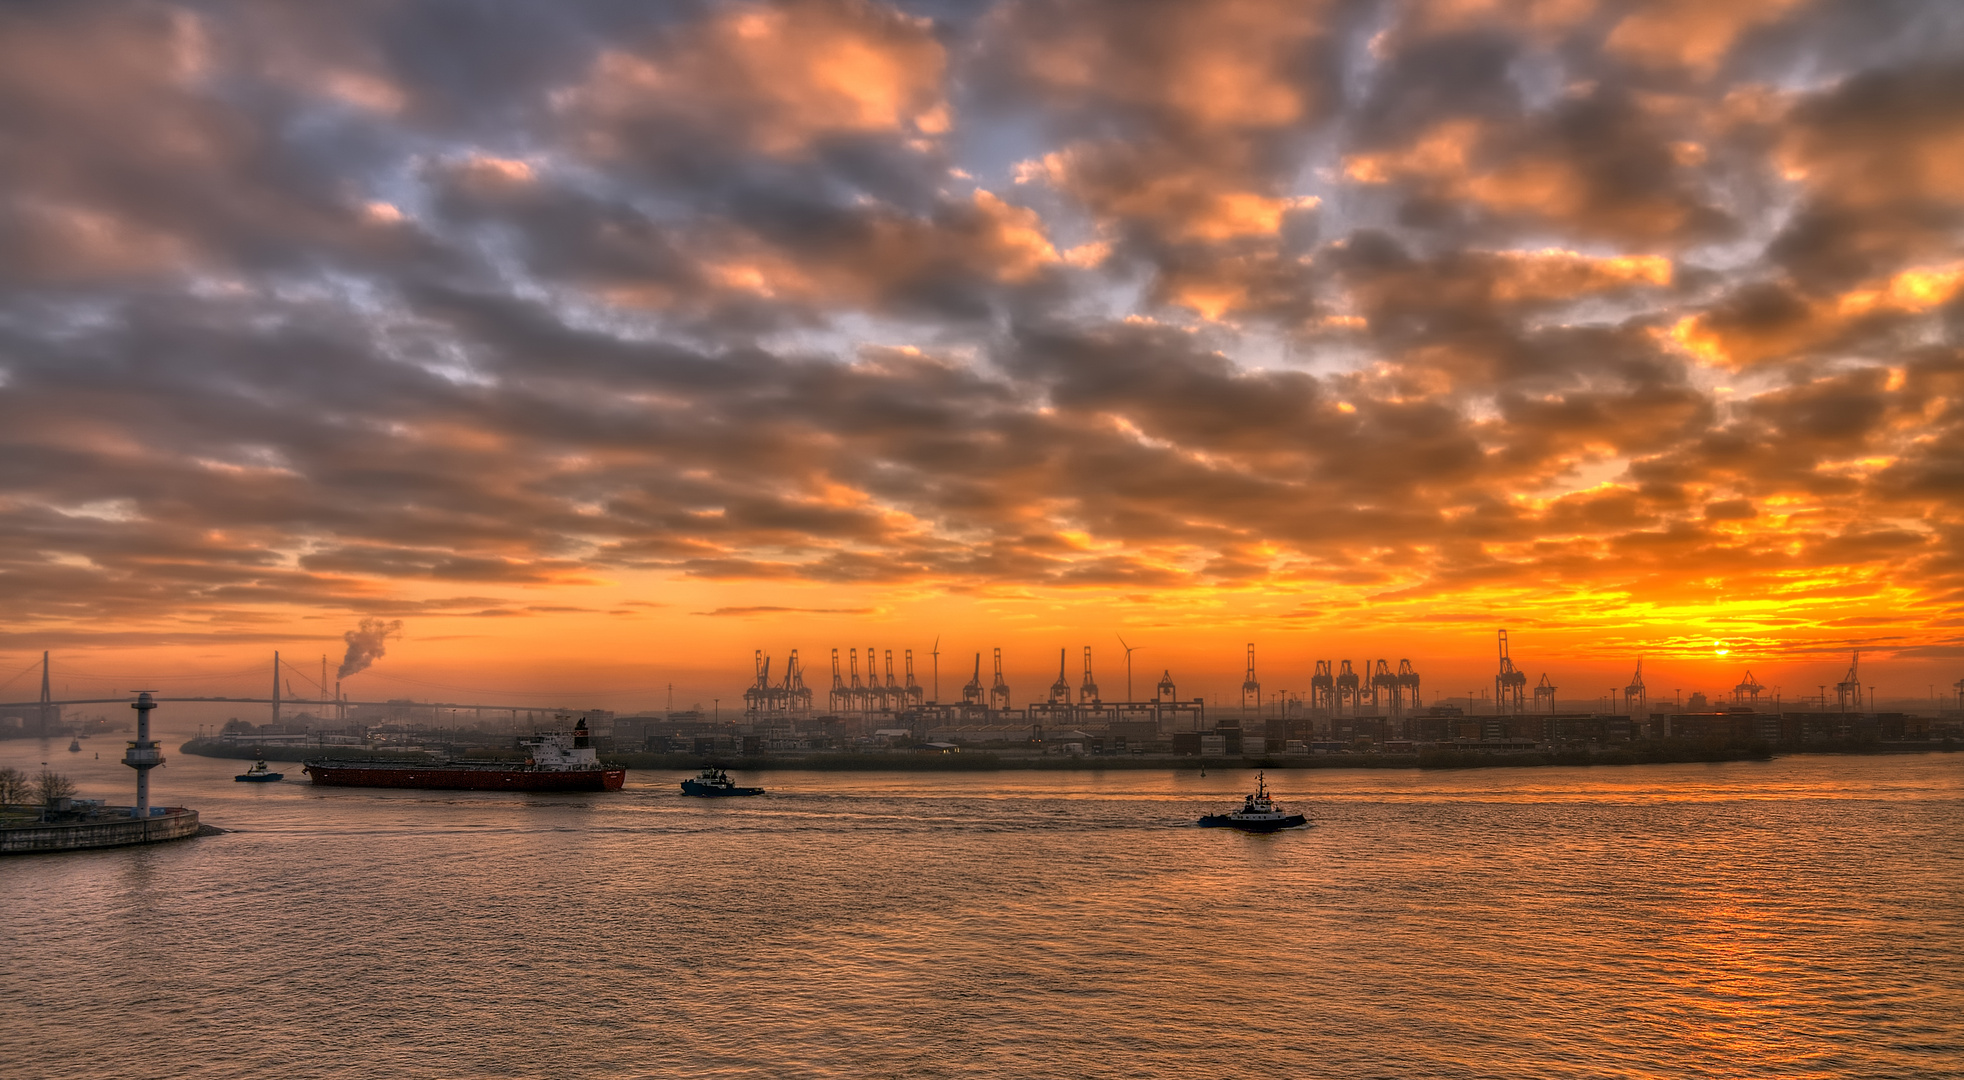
(15, 787)
(51, 785)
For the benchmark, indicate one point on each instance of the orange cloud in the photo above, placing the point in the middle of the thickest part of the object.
(785, 76)
(1690, 34)
(1229, 65)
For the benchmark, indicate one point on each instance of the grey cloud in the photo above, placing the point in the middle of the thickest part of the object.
(728, 333)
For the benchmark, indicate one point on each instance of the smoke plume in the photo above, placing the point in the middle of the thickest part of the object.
(366, 644)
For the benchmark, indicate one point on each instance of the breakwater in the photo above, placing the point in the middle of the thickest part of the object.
(103, 827)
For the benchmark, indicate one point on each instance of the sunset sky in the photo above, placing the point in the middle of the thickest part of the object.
(603, 343)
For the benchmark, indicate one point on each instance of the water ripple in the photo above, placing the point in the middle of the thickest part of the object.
(1795, 918)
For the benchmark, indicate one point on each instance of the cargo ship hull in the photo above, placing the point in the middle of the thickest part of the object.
(462, 777)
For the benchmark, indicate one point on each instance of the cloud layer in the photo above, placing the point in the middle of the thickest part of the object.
(1638, 316)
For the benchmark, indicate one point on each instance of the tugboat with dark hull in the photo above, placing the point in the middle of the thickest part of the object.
(1258, 814)
(714, 783)
(259, 774)
(558, 761)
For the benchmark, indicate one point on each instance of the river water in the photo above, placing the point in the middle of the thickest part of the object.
(1802, 917)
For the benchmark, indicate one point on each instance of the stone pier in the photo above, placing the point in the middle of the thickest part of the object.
(26, 829)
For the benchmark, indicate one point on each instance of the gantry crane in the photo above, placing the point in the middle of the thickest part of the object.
(972, 692)
(1349, 689)
(1635, 692)
(1509, 683)
(1851, 684)
(1408, 683)
(1323, 689)
(1060, 691)
(757, 696)
(797, 696)
(1544, 689)
(1384, 683)
(1747, 692)
(912, 690)
(999, 691)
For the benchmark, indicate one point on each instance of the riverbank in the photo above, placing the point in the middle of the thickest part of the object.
(215, 748)
(1649, 753)
(988, 761)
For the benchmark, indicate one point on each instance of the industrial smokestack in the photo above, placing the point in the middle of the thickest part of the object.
(366, 644)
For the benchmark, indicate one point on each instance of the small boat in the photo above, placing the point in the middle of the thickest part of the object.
(713, 782)
(1257, 814)
(259, 774)
(74, 746)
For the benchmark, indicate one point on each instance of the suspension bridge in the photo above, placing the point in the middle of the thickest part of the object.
(47, 705)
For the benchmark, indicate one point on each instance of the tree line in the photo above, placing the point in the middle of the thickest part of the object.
(20, 788)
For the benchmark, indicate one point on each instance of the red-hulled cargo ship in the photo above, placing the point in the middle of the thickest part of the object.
(559, 761)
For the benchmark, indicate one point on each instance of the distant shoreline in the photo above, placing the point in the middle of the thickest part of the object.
(993, 761)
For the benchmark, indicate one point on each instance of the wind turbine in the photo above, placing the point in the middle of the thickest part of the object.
(1128, 665)
(936, 654)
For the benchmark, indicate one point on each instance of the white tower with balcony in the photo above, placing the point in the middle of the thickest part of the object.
(143, 754)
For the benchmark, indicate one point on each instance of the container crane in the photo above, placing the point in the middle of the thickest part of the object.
(1544, 689)
(1323, 689)
(972, 693)
(912, 690)
(999, 691)
(1635, 692)
(1383, 682)
(797, 696)
(1348, 688)
(1851, 684)
(1509, 683)
(1747, 692)
(1060, 691)
(1408, 683)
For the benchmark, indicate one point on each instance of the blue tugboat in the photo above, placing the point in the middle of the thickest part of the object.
(1257, 814)
(712, 782)
(259, 774)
